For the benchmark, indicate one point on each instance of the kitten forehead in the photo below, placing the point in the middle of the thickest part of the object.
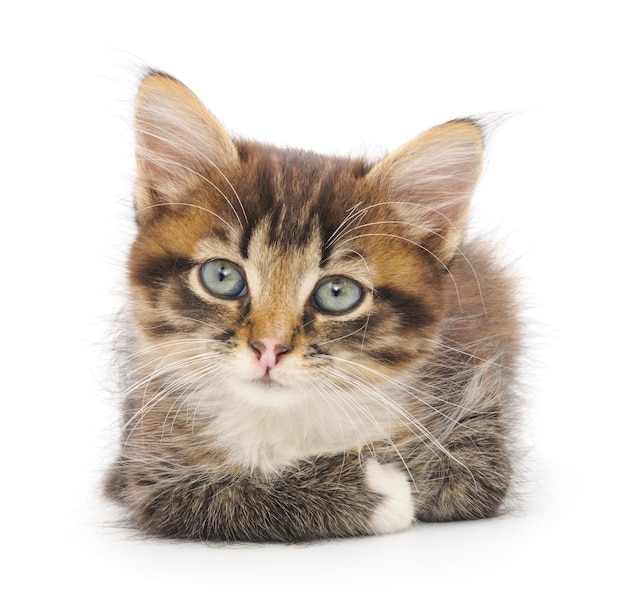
(282, 266)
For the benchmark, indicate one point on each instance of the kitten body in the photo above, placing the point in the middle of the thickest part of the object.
(315, 350)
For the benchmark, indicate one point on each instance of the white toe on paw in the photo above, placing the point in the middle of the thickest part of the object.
(395, 512)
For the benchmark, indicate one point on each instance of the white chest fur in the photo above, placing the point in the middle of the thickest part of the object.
(272, 437)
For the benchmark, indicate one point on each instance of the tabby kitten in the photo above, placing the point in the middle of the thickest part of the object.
(315, 349)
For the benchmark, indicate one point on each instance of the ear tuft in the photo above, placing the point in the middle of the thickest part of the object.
(178, 141)
(432, 178)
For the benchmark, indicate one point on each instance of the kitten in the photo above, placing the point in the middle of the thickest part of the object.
(316, 350)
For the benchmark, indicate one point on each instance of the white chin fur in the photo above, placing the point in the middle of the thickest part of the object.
(395, 512)
(275, 395)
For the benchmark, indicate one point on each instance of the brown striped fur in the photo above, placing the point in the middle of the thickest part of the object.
(396, 409)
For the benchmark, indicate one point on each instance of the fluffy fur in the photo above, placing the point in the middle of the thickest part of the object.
(263, 416)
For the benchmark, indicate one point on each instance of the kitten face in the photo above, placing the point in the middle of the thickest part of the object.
(299, 288)
(269, 275)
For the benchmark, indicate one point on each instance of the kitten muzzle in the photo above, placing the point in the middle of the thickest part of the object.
(269, 352)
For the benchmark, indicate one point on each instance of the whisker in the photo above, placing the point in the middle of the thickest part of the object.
(359, 409)
(204, 209)
(184, 145)
(402, 411)
(352, 333)
(420, 227)
(412, 242)
(353, 215)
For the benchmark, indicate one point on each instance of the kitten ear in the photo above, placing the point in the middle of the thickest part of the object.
(177, 140)
(432, 179)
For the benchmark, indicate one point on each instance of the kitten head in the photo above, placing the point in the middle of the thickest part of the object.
(268, 273)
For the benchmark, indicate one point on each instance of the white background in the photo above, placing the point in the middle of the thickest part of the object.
(334, 76)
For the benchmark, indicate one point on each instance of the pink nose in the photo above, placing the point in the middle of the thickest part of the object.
(268, 352)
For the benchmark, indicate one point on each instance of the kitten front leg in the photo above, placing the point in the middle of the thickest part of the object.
(335, 496)
(471, 479)
(395, 510)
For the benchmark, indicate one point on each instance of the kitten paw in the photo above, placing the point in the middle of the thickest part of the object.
(395, 512)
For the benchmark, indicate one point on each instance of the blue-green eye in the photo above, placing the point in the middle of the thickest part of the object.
(337, 295)
(223, 279)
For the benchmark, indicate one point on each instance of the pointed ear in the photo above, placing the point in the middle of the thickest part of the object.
(431, 180)
(178, 141)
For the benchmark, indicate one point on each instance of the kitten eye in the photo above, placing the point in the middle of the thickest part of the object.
(337, 295)
(223, 279)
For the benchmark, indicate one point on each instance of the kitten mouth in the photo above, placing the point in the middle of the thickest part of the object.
(267, 382)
